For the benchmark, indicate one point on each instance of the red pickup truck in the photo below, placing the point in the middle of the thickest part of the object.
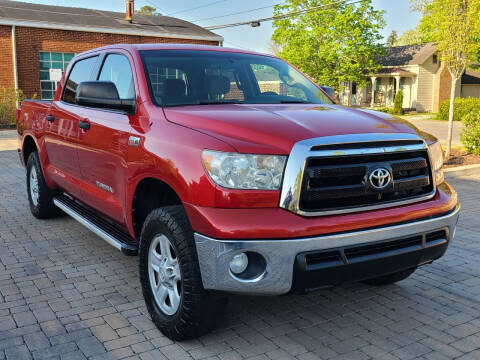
(231, 172)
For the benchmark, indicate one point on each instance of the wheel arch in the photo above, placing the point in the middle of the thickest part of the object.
(150, 193)
(29, 145)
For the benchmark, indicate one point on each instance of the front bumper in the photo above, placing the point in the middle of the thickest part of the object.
(395, 246)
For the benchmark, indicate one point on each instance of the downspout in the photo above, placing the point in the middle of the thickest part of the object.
(14, 54)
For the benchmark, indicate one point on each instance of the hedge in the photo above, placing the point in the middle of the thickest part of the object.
(471, 132)
(8, 105)
(462, 107)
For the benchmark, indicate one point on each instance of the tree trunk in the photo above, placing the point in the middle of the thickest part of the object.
(450, 116)
(349, 93)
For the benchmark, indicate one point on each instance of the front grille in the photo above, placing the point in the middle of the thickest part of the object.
(342, 182)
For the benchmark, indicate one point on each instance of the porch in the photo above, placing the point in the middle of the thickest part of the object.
(385, 85)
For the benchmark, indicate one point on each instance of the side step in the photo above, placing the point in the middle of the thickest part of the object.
(116, 237)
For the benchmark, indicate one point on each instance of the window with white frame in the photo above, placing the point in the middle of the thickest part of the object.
(52, 66)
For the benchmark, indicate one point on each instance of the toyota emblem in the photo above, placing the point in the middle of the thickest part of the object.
(380, 178)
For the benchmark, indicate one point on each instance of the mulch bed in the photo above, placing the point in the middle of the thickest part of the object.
(461, 157)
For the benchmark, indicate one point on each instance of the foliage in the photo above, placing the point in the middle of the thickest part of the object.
(147, 10)
(392, 39)
(456, 26)
(398, 102)
(336, 44)
(462, 106)
(8, 104)
(413, 36)
(471, 132)
(385, 109)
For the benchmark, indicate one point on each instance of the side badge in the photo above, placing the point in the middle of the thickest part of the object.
(104, 187)
(133, 141)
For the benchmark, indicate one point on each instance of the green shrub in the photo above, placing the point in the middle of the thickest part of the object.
(397, 103)
(471, 132)
(462, 107)
(8, 104)
(384, 109)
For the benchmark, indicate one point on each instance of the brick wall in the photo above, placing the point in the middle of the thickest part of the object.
(30, 41)
(6, 65)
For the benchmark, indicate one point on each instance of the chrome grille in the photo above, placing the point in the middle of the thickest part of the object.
(331, 174)
(338, 182)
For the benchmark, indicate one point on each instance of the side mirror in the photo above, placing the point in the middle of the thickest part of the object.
(102, 94)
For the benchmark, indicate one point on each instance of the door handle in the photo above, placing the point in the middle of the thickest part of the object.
(50, 118)
(85, 125)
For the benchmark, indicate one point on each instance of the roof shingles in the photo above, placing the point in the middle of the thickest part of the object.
(408, 54)
(23, 13)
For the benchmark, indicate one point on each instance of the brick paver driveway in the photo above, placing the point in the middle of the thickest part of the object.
(64, 293)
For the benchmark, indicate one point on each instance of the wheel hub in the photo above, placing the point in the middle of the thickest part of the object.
(165, 275)
(33, 182)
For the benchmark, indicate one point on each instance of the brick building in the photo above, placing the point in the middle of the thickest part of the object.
(38, 41)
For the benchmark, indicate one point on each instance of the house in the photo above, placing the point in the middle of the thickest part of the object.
(416, 70)
(38, 41)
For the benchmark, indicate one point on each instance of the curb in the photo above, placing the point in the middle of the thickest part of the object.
(460, 168)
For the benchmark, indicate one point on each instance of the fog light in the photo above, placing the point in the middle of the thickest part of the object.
(239, 263)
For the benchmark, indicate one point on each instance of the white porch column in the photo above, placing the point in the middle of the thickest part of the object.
(397, 83)
(374, 83)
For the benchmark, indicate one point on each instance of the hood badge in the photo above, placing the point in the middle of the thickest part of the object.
(380, 178)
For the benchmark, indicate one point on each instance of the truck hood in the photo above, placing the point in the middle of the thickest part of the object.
(274, 129)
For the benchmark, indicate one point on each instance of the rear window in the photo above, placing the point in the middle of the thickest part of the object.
(81, 71)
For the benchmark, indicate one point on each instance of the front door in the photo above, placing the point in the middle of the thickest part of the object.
(102, 150)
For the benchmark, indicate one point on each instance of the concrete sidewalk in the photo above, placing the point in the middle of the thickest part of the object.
(437, 128)
(8, 140)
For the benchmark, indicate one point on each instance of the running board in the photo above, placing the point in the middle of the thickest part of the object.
(108, 232)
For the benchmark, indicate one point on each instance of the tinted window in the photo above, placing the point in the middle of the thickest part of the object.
(116, 68)
(184, 77)
(82, 71)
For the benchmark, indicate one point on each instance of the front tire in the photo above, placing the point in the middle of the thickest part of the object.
(170, 275)
(390, 278)
(40, 196)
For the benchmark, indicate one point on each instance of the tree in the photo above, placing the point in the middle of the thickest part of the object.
(335, 44)
(392, 39)
(457, 29)
(147, 10)
(409, 37)
(424, 32)
(398, 103)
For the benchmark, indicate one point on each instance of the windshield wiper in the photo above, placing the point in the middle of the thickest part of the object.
(294, 102)
(216, 102)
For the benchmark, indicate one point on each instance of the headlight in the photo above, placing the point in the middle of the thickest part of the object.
(244, 171)
(436, 157)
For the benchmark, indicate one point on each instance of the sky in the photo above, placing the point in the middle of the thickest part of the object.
(397, 16)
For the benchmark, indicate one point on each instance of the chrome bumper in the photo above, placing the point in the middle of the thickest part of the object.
(214, 255)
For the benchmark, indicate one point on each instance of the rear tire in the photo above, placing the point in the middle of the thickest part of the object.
(170, 275)
(40, 196)
(391, 278)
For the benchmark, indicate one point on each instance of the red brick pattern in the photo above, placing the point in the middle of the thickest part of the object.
(30, 41)
(6, 65)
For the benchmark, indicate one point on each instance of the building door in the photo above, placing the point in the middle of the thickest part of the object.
(103, 148)
(62, 131)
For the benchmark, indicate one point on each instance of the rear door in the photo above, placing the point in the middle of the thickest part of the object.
(102, 150)
(62, 131)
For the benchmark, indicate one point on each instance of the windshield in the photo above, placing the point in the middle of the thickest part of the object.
(186, 77)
